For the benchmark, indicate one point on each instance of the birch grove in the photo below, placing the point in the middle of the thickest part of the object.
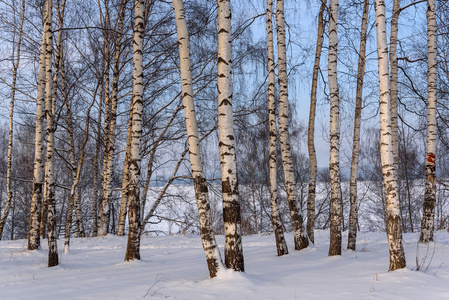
(146, 118)
(393, 223)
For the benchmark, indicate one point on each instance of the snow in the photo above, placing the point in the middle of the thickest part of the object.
(174, 267)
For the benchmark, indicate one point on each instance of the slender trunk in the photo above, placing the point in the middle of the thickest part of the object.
(11, 124)
(39, 158)
(334, 155)
(311, 131)
(106, 189)
(95, 169)
(353, 213)
(201, 191)
(394, 81)
(49, 170)
(125, 181)
(278, 229)
(427, 224)
(231, 204)
(301, 240)
(133, 247)
(393, 223)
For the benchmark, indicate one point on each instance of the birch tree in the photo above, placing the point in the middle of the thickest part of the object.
(39, 158)
(393, 224)
(133, 246)
(231, 205)
(49, 165)
(281, 245)
(394, 89)
(105, 193)
(334, 159)
(353, 213)
(427, 223)
(311, 129)
(201, 191)
(301, 240)
(11, 123)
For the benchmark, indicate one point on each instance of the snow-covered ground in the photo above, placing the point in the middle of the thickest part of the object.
(174, 267)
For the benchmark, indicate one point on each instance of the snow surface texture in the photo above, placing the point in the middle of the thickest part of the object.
(174, 267)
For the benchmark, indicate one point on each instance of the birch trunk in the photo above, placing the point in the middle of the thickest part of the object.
(281, 245)
(133, 247)
(334, 155)
(427, 223)
(11, 125)
(106, 188)
(49, 167)
(201, 191)
(394, 81)
(301, 240)
(353, 213)
(125, 180)
(231, 204)
(74, 190)
(311, 130)
(95, 169)
(393, 224)
(39, 158)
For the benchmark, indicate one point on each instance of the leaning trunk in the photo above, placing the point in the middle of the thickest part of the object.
(311, 131)
(301, 240)
(201, 192)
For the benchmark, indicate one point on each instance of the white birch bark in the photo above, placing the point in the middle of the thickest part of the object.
(125, 181)
(427, 223)
(394, 80)
(95, 167)
(311, 129)
(106, 188)
(11, 124)
(393, 224)
(133, 247)
(49, 167)
(201, 191)
(231, 204)
(300, 237)
(39, 158)
(353, 213)
(334, 155)
(281, 245)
